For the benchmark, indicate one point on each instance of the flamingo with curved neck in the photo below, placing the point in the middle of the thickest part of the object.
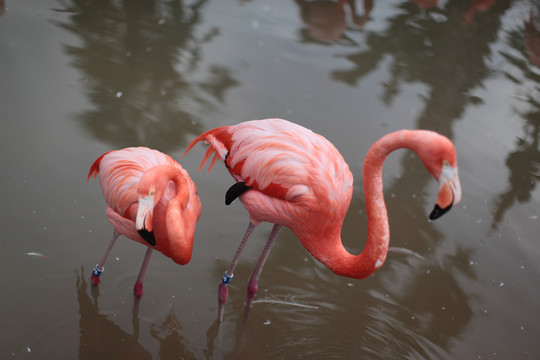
(152, 200)
(292, 177)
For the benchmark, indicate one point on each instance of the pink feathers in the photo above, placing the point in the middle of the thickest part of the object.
(277, 158)
(151, 199)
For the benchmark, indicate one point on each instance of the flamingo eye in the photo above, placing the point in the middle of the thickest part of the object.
(152, 192)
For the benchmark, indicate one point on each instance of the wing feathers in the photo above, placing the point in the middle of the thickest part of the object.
(277, 158)
(207, 155)
(94, 169)
(121, 170)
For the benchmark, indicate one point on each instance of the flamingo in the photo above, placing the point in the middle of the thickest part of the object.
(152, 200)
(290, 176)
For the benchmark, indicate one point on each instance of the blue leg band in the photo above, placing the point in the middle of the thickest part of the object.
(226, 278)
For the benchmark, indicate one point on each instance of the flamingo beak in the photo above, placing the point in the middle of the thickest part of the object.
(449, 191)
(143, 223)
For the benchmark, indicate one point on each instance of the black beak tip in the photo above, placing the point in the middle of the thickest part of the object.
(438, 212)
(148, 236)
(235, 191)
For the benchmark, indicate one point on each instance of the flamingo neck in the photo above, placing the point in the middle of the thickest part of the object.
(180, 244)
(169, 222)
(336, 257)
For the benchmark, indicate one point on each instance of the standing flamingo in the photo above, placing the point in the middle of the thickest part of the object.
(152, 200)
(292, 177)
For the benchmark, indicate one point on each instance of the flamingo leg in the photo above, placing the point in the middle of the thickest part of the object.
(96, 273)
(223, 287)
(253, 285)
(138, 288)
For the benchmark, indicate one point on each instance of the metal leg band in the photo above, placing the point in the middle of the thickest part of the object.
(226, 279)
(97, 272)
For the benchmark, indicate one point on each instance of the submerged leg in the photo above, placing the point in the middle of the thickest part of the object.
(138, 288)
(254, 278)
(96, 273)
(223, 288)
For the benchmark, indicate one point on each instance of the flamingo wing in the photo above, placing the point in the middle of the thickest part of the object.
(120, 172)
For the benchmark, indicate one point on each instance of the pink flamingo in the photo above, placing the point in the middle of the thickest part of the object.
(292, 177)
(152, 200)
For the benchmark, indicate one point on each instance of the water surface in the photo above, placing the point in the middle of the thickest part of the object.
(78, 78)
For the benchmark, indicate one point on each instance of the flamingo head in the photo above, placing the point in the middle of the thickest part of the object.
(440, 159)
(449, 190)
(149, 193)
(143, 223)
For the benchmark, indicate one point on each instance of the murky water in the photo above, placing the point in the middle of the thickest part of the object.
(78, 78)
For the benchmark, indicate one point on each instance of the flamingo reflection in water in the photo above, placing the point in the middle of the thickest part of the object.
(326, 20)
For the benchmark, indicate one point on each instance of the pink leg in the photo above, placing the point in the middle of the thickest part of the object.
(223, 288)
(96, 273)
(254, 278)
(138, 288)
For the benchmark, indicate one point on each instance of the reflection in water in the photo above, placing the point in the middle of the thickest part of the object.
(326, 20)
(477, 5)
(532, 40)
(524, 162)
(524, 167)
(431, 48)
(135, 57)
(171, 343)
(425, 4)
(100, 338)
(396, 315)
(433, 317)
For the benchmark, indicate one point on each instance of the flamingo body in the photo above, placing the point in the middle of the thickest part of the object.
(151, 199)
(280, 161)
(295, 178)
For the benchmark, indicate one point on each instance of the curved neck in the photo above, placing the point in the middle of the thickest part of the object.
(178, 221)
(169, 208)
(336, 257)
(160, 176)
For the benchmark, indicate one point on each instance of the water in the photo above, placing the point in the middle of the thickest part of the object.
(78, 78)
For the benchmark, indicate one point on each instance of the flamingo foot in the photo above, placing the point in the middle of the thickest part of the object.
(223, 294)
(96, 273)
(138, 290)
(95, 280)
(252, 289)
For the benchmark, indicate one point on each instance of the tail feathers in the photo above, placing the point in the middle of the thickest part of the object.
(94, 169)
(219, 139)
(211, 150)
(196, 140)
